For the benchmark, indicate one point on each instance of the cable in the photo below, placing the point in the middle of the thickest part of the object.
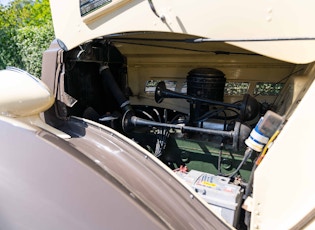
(220, 159)
(247, 155)
(216, 113)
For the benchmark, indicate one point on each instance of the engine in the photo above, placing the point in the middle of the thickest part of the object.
(205, 145)
(209, 119)
(210, 136)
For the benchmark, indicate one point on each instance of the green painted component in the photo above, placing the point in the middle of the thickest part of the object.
(203, 156)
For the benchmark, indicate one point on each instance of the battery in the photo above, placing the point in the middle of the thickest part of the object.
(224, 198)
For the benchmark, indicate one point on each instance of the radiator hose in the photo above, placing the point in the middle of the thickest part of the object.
(108, 80)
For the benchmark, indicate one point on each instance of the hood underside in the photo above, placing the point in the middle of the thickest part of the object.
(277, 29)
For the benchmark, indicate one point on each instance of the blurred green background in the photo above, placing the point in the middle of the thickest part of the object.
(26, 31)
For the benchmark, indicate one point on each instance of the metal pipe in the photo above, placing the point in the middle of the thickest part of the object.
(136, 121)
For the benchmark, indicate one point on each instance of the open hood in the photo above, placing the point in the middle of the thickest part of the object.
(277, 29)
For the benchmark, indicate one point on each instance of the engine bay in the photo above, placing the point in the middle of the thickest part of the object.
(193, 106)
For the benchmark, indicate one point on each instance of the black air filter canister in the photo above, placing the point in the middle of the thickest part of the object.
(207, 83)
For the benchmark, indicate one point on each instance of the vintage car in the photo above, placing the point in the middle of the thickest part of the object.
(164, 114)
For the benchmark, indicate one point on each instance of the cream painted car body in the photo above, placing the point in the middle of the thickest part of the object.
(252, 43)
(279, 31)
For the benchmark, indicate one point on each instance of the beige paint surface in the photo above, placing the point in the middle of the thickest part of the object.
(218, 20)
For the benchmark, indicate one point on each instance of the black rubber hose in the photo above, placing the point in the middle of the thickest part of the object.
(108, 81)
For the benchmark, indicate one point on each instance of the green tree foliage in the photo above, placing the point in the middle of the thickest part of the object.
(25, 32)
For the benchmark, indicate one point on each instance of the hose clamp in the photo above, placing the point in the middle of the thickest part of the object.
(103, 67)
